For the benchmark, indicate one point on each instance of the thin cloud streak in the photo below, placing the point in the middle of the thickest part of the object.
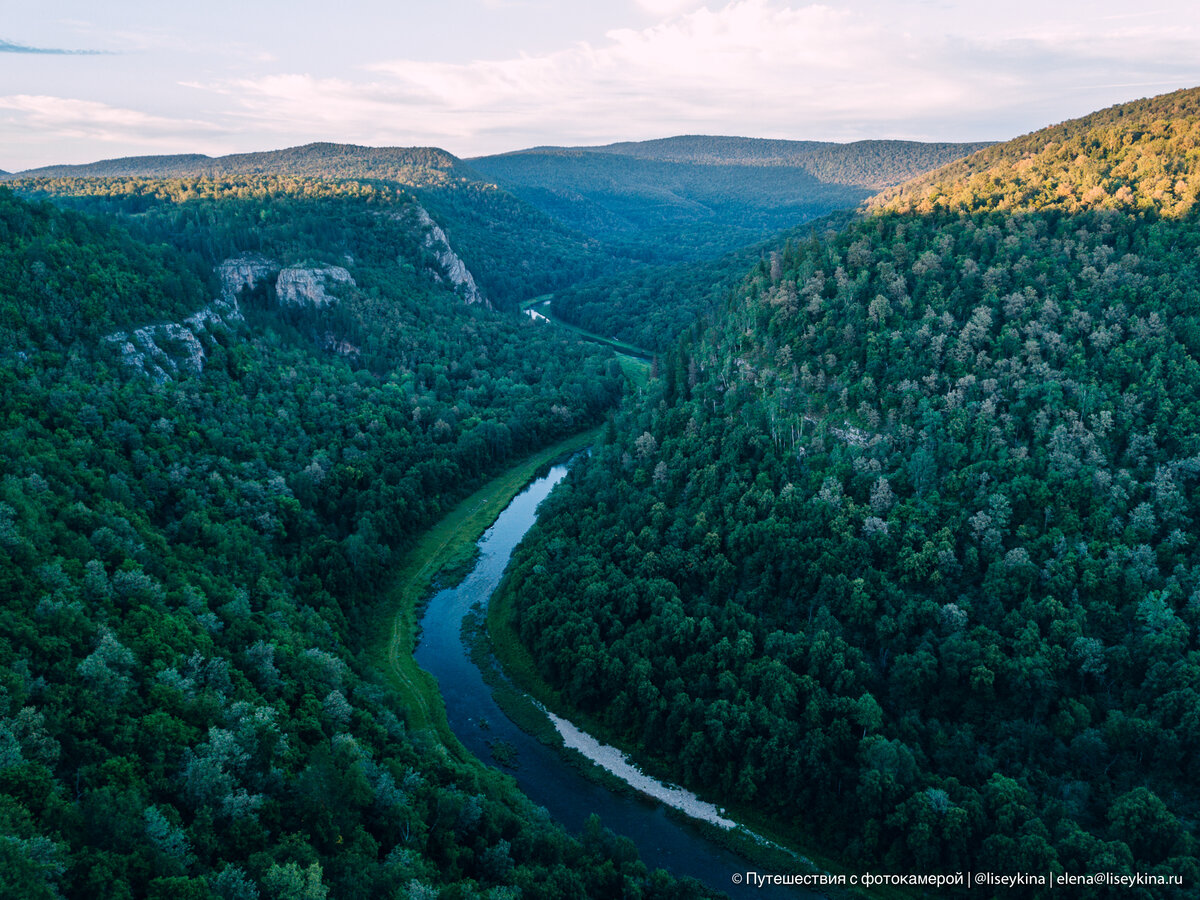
(12, 47)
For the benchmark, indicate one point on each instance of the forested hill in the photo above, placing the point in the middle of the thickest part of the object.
(871, 164)
(496, 234)
(695, 198)
(902, 550)
(193, 558)
(413, 166)
(1136, 157)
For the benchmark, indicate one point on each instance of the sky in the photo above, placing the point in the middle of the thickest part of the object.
(81, 81)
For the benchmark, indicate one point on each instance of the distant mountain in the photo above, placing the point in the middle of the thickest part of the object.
(874, 164)
(1136, 156)
(413, 166)
(695, 197)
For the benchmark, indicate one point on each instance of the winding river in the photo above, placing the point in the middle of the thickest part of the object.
(544, 776)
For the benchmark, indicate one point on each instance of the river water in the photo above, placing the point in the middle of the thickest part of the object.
(543, 775)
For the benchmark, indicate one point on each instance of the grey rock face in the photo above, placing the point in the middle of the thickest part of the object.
(167, 349)
(244, 272)
(306, 286)
(455, 269)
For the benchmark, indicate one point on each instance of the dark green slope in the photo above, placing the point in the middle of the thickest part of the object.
(188, 564)
(65, 277)
(651, 306)
(899, 553)
(696, 197)
(870, 164)
(514, 250)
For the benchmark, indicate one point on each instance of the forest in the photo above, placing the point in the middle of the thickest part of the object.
(189, 565)
(651, 306)
(691, 199)
(901, 547)
(894, 555)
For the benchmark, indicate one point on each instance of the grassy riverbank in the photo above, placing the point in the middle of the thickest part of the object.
(447, 546)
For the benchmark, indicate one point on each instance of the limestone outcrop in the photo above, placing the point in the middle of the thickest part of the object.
(454, 269)
(168, 349)
(307, 285)
(244, 272)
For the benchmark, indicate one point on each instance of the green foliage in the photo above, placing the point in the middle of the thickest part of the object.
(65, 277)
(1137, 157)
(651, 306)
(188, 566)
(901, 548)
(692, 198)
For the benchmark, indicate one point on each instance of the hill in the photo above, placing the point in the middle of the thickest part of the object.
(870, 164)
(497, 232)
(412, 166)
(694, 197)
(1135, 157)
(900, 549)
(199, 515)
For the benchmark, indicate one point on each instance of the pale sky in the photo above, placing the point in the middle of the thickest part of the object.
(82, 81)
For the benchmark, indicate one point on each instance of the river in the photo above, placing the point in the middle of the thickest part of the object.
(543, 775)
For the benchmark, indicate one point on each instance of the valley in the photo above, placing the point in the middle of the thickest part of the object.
(884, 543)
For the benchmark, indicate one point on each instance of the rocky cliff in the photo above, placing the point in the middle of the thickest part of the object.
(454, 269)
(306, 286)
(244, 272)
(166, 349)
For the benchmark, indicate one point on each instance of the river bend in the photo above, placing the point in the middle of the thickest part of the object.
(542, 774)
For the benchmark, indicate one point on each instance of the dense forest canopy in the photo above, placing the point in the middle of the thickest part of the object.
(651, 306)
(902, 549)
(870, 164)
(498, 235)
(189, 563)
(65, 276)
(692, 198)
(1139, 157)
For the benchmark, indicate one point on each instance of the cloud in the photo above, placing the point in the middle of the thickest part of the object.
(60, 117)
(664, 8)
(756, 67)
(11, 47)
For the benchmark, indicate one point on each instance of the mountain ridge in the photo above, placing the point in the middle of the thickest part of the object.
(1134, 156)
(430, 164)
(695, 196)
(720, 150)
